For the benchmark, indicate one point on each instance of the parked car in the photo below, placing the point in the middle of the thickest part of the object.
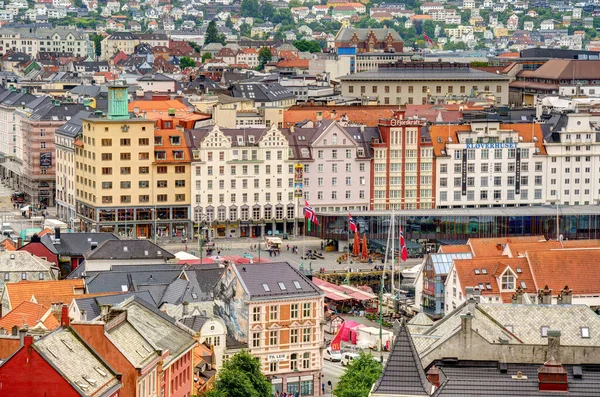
(347, 358)
(332, 355)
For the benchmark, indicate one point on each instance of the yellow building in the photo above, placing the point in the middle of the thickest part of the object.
(132, 175)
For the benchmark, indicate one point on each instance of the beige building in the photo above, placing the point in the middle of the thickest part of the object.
(422, 83)
(132, 175)
(277, 313)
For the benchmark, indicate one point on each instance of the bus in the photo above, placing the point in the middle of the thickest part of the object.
(18, 197)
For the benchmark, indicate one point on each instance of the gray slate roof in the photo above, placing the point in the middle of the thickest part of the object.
(477, 378)
(195, 322)
(76, 361)
(255, 277)
(92, 305)
(76, 244)
(403, 373)
(74, 126)
(128, 249)
(262, 92)
(397, 74)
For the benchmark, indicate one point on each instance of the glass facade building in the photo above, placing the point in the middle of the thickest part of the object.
(460, 224)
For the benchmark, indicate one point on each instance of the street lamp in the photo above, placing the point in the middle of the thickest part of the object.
(200, 216)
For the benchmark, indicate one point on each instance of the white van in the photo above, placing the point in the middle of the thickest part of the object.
(348, 357)
(332, 355)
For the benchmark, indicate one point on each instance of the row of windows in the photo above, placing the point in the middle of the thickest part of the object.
(496, 167)
(274, 311)
(163, 169)
(143, 184)
(143, 198)
(254, 154)
(424, 89)
(210, 170)
(496, 195)
(23, 276)
(274, 337)
(257, 213)
(234, 184)
(486, 181)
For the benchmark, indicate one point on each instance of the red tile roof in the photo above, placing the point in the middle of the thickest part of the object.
(577, 268)
(367, 115)
(44, 292)
(490, 271)
(487, 247)
(29, 313)
(447, 249)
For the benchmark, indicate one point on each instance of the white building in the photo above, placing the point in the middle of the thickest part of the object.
(489, 164)
(242, 182)
(573, 162)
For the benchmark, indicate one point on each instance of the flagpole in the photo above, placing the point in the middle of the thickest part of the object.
(348, 268)
(393, 226)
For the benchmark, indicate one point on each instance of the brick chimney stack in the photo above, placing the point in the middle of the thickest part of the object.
(566, 296)
(517, 298)
(65, 321)
(545, 296)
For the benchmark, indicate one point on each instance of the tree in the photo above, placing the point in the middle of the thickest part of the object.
(267, 10)
(187, 62)
(245, 30)
(264, 57)
(229, 23)
(307, 45)
(241, 377)
(360, 375)
(205, 56)
(212, 34)
(250, 8)
(195, 46)
(97, 39)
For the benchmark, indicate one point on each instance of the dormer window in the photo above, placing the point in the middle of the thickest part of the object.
(508, 281)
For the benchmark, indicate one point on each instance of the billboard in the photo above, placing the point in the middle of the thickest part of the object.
(46, 159)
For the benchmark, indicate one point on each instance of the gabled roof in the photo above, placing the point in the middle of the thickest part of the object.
(274, 280)
(494, 246)
(195, 322)
(576, 268)
(77, 362)
(128, 249)
(44, 292)
(92, 305)
(346, 34)
(403, 374)
(76, 244)
(156, 77)
(31, 315)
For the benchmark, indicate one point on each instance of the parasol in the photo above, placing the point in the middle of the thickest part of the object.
(356, 246)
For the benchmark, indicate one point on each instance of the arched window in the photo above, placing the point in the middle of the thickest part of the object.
(293, 361)
(334, 139)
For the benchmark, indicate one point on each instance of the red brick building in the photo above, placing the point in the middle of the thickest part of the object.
(369, 40)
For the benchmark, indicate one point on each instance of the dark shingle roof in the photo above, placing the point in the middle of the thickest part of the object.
(92, 305)
(255, 277)
(195, 322)
(76, 244)
(470, 378)
(128, 249)
(403, 373)
(263, 92)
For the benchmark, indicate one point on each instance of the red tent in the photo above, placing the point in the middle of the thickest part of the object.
(356, 246)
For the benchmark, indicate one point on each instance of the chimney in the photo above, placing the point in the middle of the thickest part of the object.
(22, 335)
(185, 308)
(57, 233)
(292, 129)
(471, 303)
(104, 309)
(566, 296)
(517, 298)
(553, 344)
(433, 376)
(477, 295)
(19, 242)
(545, 296)
(64, 316)
(14, 331)
(465, 322)
(552, 376)
(93, 245)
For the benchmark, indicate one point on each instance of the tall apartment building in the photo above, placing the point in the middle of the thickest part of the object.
(38, 120)
(403, 172)
(130, 178)
(65, 167)
(242, 181)
(276, 312)
(337, 164)
(573, 161)
(488, 164)
(32, 40)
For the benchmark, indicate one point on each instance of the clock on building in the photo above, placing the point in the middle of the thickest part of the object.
(120, 95)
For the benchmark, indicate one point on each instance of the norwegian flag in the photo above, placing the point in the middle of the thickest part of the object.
(352, 224)
(310, 214)
(403, 249)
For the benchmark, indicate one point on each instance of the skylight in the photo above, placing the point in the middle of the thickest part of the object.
(488, 286)
(297, 285)
(476, 271)
(544, 331)
(523, 285)
(266, 288)
(509, 328)
(585, 332)
(481, 286)
(519, 270)
(282, 286)
(483, 271)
